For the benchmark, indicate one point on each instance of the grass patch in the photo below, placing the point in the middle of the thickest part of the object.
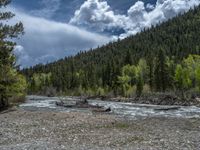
(129, 140)
(135, 139)
(122, 126)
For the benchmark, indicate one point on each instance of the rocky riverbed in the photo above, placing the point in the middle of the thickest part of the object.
(28, 128)
(22, 130)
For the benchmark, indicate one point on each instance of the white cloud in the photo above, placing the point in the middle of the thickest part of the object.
(137, 12)
(46, 40)
(150, 6)
(97, 14)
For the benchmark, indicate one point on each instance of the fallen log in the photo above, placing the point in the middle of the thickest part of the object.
(83, 104)
(167, 108)
(102, 110)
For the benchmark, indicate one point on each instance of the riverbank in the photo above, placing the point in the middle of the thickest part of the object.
(22, 130)
(154, 99)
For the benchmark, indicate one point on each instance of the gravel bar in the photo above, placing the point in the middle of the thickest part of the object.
(26, 130)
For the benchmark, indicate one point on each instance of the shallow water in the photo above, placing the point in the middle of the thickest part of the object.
(129, 110)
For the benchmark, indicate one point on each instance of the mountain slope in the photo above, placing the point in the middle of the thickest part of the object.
(178, 38)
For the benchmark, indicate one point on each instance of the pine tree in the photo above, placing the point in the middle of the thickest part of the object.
(8, 75)
(139, 85)
(108, 74)
(72, 70)
(128, 58)
(150, 63)
(161, 72)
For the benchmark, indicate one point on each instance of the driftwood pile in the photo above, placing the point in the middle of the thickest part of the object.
(82, 104)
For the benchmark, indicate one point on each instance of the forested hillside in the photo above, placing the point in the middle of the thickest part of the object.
(162, 58)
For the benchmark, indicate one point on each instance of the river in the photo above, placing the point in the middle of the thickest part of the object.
(129, 110)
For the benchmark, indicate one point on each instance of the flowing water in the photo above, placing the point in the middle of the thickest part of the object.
(129, 110)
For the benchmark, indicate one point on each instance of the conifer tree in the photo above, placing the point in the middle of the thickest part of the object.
(8, 74)
(161, 72)
(139, 85)
(128, 58)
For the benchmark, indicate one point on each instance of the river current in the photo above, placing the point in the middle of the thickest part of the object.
(129, 110)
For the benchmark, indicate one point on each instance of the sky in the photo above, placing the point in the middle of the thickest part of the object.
(55, 29)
